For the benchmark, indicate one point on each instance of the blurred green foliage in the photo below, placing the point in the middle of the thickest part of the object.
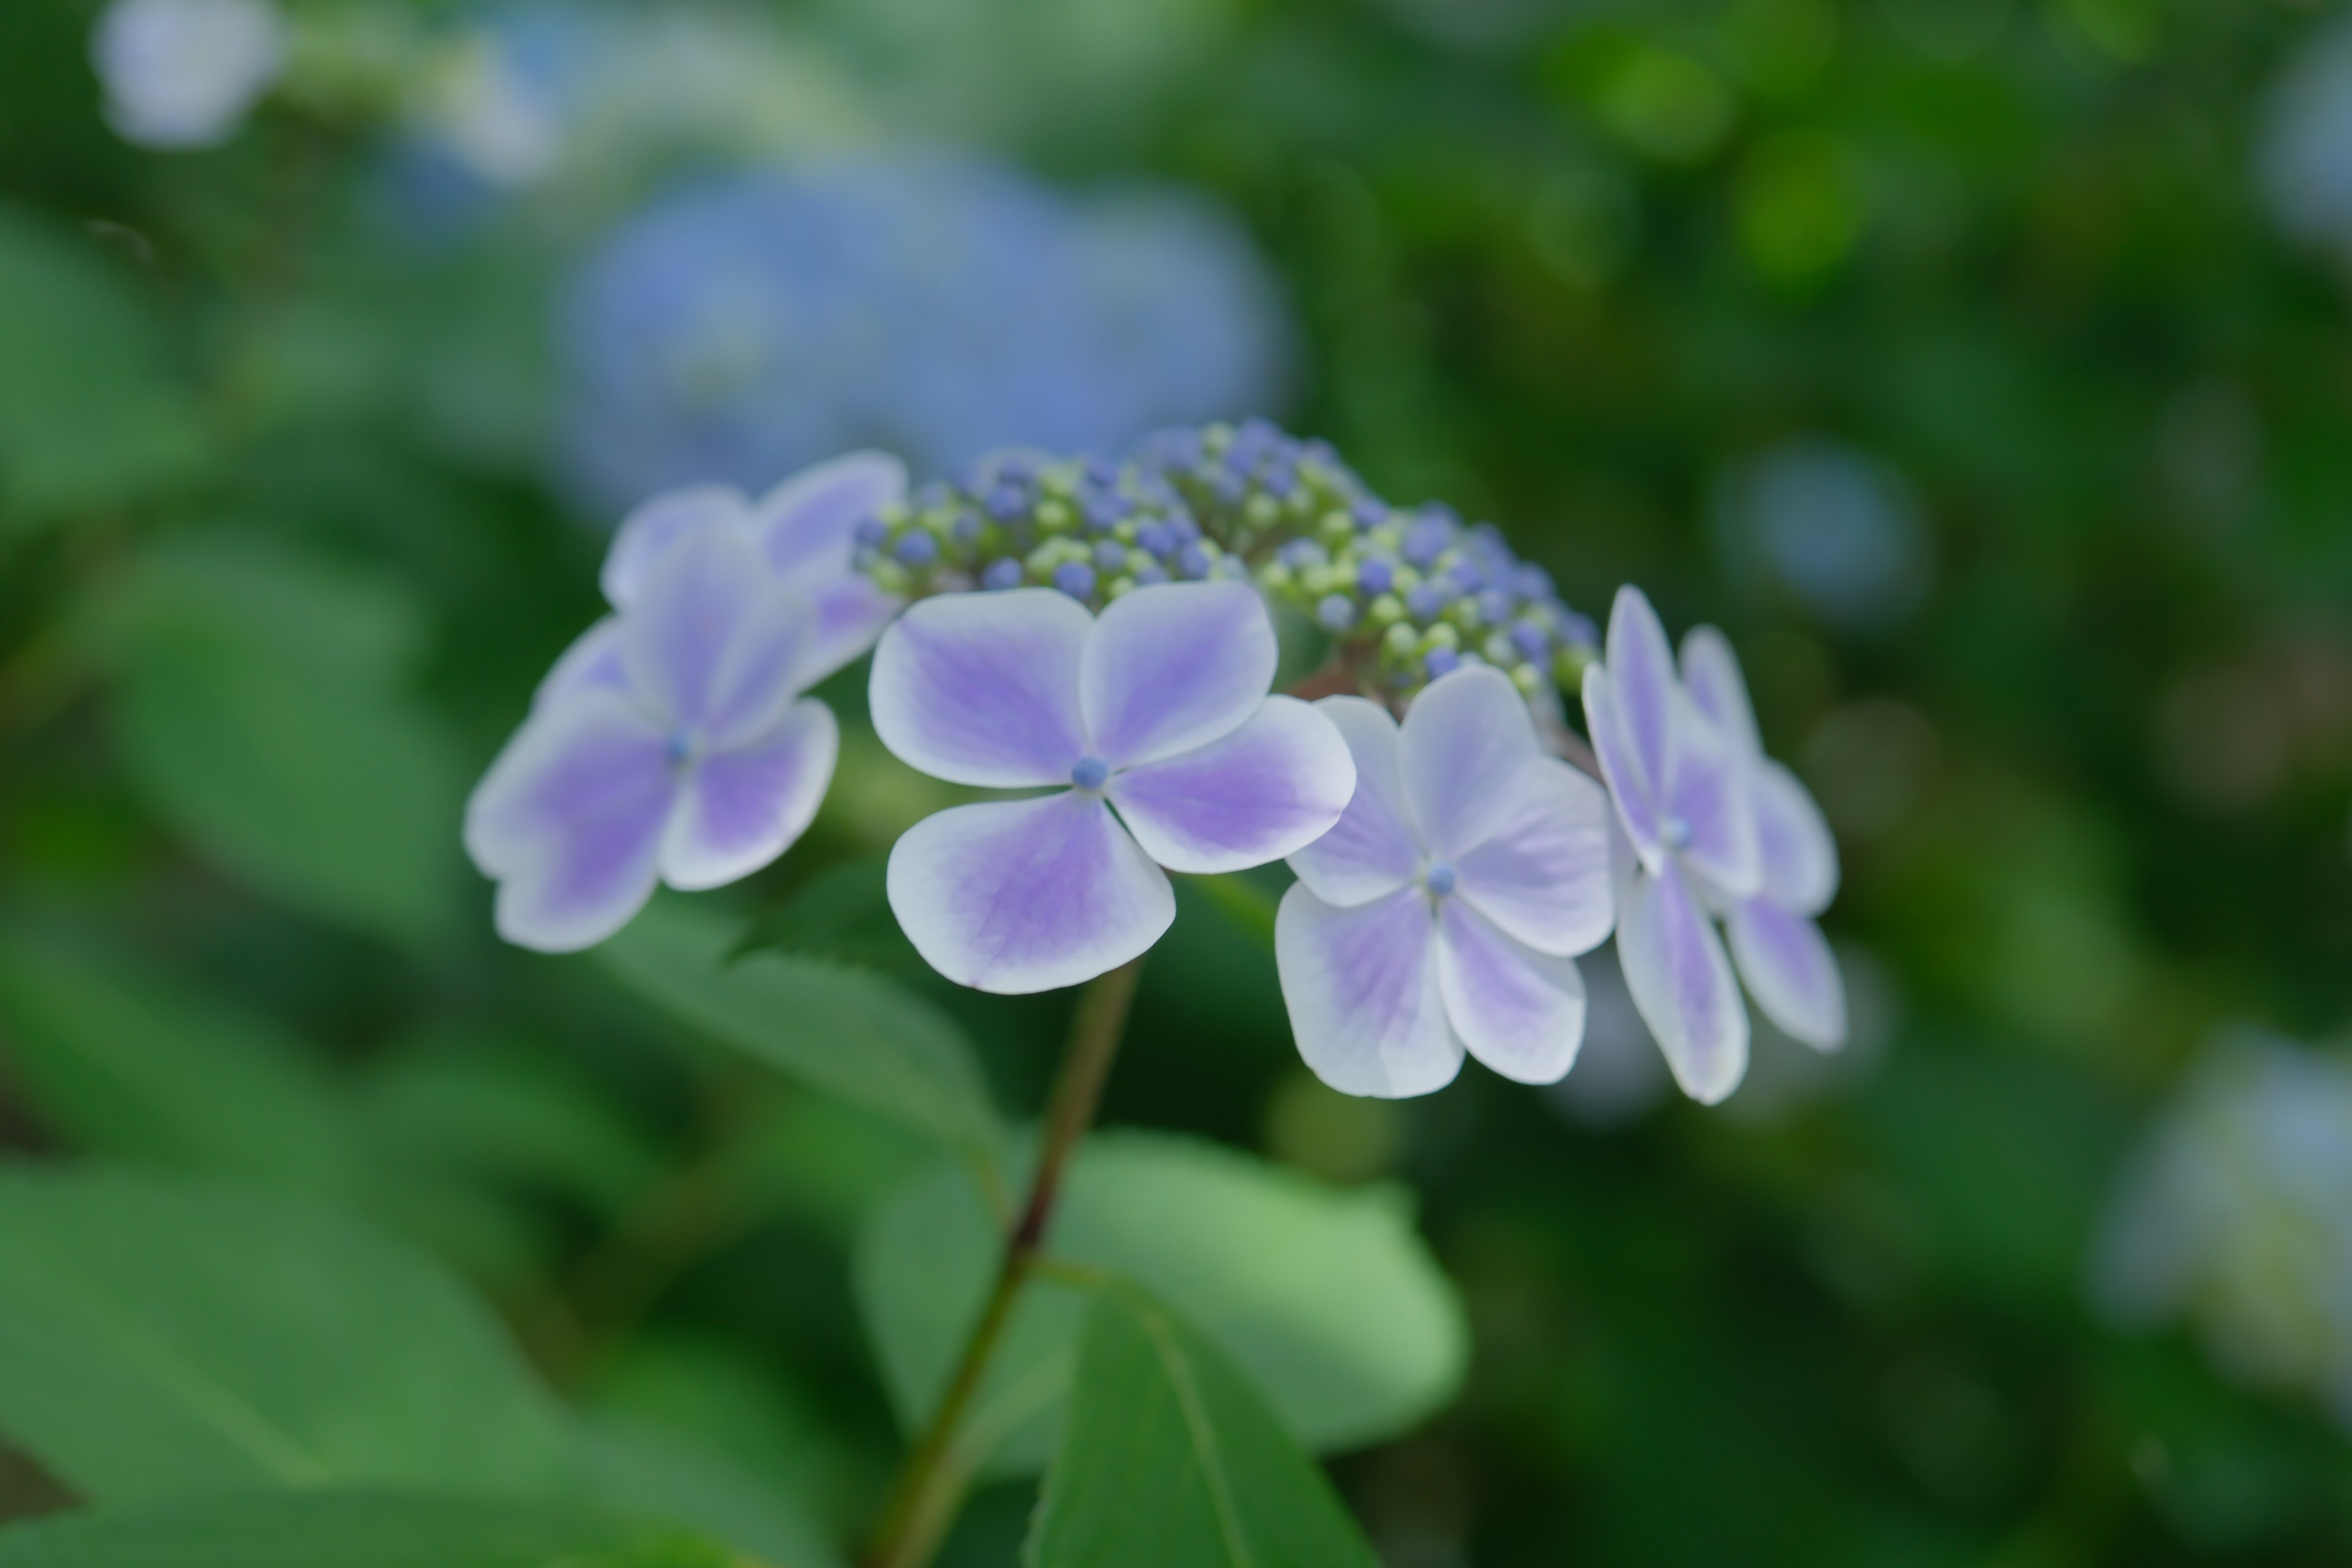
(280, 562)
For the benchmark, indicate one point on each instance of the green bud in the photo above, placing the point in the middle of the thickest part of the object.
(1386, 610)
(1260, 511)
(891, 577)
(1440, 635)
(1335, 530)
(1119, 586)
(1402, 641)
(1055, 516)
(1274, 577)
(1527, 679)
(1403, 580)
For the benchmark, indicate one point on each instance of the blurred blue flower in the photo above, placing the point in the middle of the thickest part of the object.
(2237, 1215)
(2305, 162)
(1837, 530)
(939, 307)
(182, 73)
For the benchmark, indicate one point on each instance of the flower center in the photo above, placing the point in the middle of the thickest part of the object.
(679, 748)
(1090, 773)
(1438, 878)
(1676, 832)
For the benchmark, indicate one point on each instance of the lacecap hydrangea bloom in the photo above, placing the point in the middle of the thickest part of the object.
(181, 73)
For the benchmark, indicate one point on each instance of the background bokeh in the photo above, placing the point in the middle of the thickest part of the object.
(1983, 366)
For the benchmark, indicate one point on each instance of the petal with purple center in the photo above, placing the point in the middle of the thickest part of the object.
(1681, 981)
(1019, 896)
(1273, 786)
(1171, 667)
(647, 535)
(594, 659)
(1791, 970)
(1710, 813)
(1542, 875)
(1373, 848)
(1798, 852)
(1361, 986)
(1519, 1011)
(983, 688)
(739, 808)
(711, 642)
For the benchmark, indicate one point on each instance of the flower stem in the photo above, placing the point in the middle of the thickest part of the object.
(931, 1482)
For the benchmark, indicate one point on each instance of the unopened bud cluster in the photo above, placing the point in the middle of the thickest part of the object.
(1405, 594)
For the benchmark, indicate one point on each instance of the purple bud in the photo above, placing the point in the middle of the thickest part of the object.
(1439, 662)
(1192, 561)
(1104, 508)
(1155, 537)
(1228, 486)
(1370, 512)
(1186, 530)
(916, 549)
(1074, 578)
(1109, 555)
(965, 527)
(873, 531)
(1531, 638)
(1279, 482)
(1532, 582)
(1148, 572)
(1494, 606)
(1426, 602)
(1335, 613)
(1299, 554)
(1425, 542)
(1467, 575)
(1006, 500)
(1003, 572)
(1373, 576)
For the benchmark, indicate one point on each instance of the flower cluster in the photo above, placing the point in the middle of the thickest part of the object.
(184, 73)
(1100, 632)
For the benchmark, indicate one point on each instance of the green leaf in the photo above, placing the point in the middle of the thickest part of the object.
(260, 714)
(164, 1337)
(88, 415)
(1171, 1460)
(353, 1529)
(654, 1474)
(852, 1035)
(1326, 1297)
(842, 913)
(129, 1064)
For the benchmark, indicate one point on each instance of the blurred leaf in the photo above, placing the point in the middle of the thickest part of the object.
(160, 1338)
(87, 416)
(842, 913)
(259, 715)
(1325, 1297)
(125, 1063)
(855, 1035)
(347, 1530)
(656, 1474)
(720, 1395)
(1169, 1459)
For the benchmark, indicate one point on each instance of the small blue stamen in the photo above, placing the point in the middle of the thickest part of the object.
(1091, 772)
(1074, 578)
(1440, 662)
(1439, 879)
(678, 748)
(1676, 832)
(917, 549)
(1002, 574)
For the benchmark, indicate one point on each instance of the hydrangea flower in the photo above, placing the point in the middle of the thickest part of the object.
(1158, 708)
(1708, 826)
(671, 744)
(180, 74)
(1443, 912)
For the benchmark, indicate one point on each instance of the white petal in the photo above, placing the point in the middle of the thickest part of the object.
(1273, 786)
(1519, 1011)
(594, 659)
(1373, 849)
(1790, 972)
(1798, 852)
(1642, 683)
(1027, 895)
(1361, 986)
(1629, 790)
(1543, 874)
(1709, 803)
(983, 688)
(1465, 733)
(850, 614)
(1174, 666)
(648, 532)
(809, 522)
(711, 642)
(1681, 981)
(1711, 678)
(739, 808)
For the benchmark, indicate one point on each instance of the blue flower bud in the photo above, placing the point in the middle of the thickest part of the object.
(1006, 500)
(1228, 486)
(1155, 538)
(1336, 613)
(1531, 638)
(1425, 542)
(1495, 607)
(1186, 530)
(1147, 573)
(1279, 482)
(872, 531)
(1104, 508)
(1426, 602)
(916, 549)
(1467, 575)
(1102, 471)
(1371, 513)
(1109, 555)
(1003, 572)
(1192, 561)
(1439, 661)
(1374, 575)
(1532, 582)
(965, 527)
(1074, 578)
(1301, 553)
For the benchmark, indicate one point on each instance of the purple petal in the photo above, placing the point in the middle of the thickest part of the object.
(711, 642)
(1373, 849)
(1361, 985)
(850, 614)
(1519, 1011)
(742, 807)
(1174, 666)
(569, 819)
(1628, 791)
(1790, 972)
(1710, 806)
(1463, 734)
(1681, 981)
(983, 688)
(1543, 874)
(806, 523)
(1027, 895)
(594, 659)
(1711, 676)
(1642, 681)
(1798, 852)
(1273, 786)
(649, 531)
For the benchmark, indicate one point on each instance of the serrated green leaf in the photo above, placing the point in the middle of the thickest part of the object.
(842, 913)
(1171, 1460)
(354, 1529)
(167, 1337)
(1326, 1296)
(849, 1034)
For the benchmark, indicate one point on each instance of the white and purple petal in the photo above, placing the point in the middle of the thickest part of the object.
(1638, 811)
(1798, 852)
(983, 688)
(594, 659)
(1711, 678)
(1520, 1012)
(1019, 896)
(1173, 667)
(1374, 847)
(809, 522)
(1682, 983)
(1543, 872)
(851, 612)
(1273, 786)
(739, 808)
(711, 643)
(1710, 813)
(1790, 972)
(1643, 684)
(1361, 985)
(1464, 733)
(648, 533)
